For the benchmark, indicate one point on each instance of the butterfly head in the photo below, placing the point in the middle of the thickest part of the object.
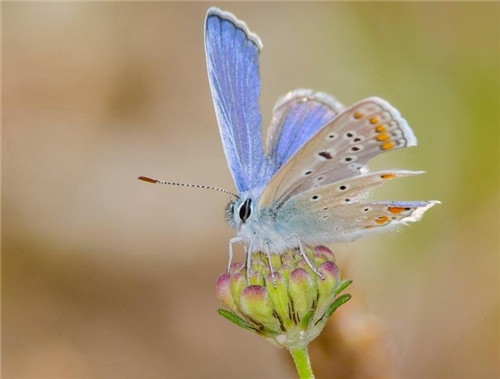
(238, 211)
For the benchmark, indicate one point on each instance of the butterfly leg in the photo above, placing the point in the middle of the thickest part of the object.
(231, 255)
(271, 268)
(249, 260)
(311, 265)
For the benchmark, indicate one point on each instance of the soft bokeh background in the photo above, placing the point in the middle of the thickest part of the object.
(104, 276)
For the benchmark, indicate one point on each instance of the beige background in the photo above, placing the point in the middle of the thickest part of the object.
(104, 276)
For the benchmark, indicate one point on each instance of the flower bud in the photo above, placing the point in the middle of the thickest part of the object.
(290, 306)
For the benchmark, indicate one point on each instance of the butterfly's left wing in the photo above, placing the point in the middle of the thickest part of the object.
(232, 53)
(297, 117)
(337, 213)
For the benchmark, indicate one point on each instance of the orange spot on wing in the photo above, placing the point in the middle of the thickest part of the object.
(388, 145)
(384, 137)
(374, 120)
(382, 220)
(380, 129)
(387, 176)
(358, 115)
(396, 210)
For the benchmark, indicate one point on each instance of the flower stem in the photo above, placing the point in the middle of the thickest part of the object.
(302, 362)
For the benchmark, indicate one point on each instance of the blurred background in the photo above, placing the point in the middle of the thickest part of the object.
(104, 276)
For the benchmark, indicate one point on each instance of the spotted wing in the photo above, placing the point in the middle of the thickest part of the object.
(340, 150)
(337, 213)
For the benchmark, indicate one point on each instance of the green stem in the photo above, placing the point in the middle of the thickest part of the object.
(302, 362)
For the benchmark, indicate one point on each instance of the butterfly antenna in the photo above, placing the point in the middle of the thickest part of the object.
(158, 181)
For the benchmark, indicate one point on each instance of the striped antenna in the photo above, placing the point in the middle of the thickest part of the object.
(158, 181)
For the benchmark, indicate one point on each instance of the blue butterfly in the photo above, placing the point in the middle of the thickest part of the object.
(306, 184)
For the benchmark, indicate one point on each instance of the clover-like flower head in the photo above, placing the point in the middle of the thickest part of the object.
(289, 306)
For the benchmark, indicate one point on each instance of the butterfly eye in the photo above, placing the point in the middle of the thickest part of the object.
(245, 210)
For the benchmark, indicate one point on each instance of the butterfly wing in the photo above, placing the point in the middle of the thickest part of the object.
(297, 117)
(336, 213)
(340, 150)
(232, 53)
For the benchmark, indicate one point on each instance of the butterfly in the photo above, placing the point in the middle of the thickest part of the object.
(306, 184)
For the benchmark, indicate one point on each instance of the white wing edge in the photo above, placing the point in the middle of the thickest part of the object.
(214, 11)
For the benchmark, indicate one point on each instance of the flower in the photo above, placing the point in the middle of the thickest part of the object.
(289, 306)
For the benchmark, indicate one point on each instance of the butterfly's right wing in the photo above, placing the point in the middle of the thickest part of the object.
(297, 117)
(232, 53)
(340, 150)
(337, 212)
